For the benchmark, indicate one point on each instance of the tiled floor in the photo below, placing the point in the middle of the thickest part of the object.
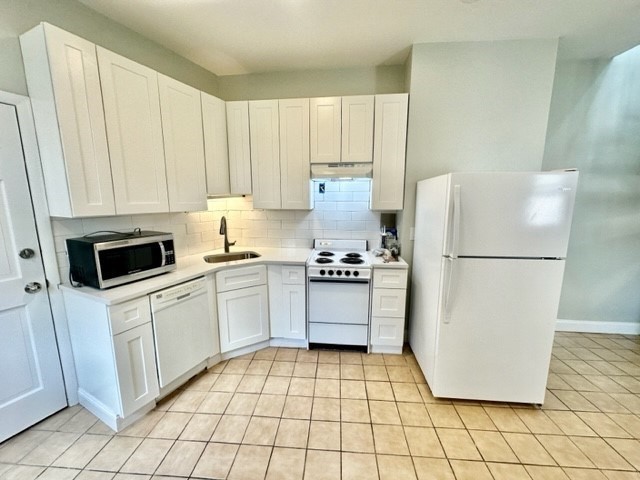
(294, 414)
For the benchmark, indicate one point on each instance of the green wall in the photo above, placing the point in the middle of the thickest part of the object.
(18, 16)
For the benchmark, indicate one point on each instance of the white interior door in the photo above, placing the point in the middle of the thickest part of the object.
(31, 384)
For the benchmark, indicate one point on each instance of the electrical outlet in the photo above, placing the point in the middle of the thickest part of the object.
(321, 187)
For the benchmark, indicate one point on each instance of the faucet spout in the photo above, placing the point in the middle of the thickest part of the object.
(223, 231)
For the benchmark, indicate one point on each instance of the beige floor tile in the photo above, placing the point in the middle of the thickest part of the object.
(606, 384)
(181, 459)
(492, 446)
(528, 449)
(325, 356)
(551, 402)
(444, 416)
(423, 442)
(236, 366)
(354, 411)
(100, 428)
(474, 417)
(379, 391)
(322, 465)
(251, 463)
(537, 421)
(327, 387)
(603, 425)
(57, 473)
(353, 389)
(14, 449)
(584, 474)
(359, 466)
(468, 470)
(261, 431)
(287, 354)
(292, 433)
(628, 400)
(286, 464)
(297, 407)
(575, 382)
(268, 353)
(259, 367)
(390, 439)
(269, 405)
(307, 356)
(433, 469)
(406, 392)
(373, 359)
(55, 421)
(628, 448)
(227, 383)
(230, 429)
(216, 460)
(114, 454)
(302, 386)
(304, 369)
(147, 456)
(400, 374)
(324, 435)
(604, 402)
(142, 427)
(357, 437)
(507, 471)
(276, 385)
(563, 451)
(351, 372)
(392, 359)
(251, 383)
(631, 423)
(283, 369)
(538, 472)
(570, 423)
(392, 467)
(188, 401)
(351, 358)
(170, 425)
(215, 402)
(82, 451)
(328, 370)
(458, 444)
(50, 449)
(575, 400)
(22, 472)
(376, 373)
(556, 382)
(79, 423)
(200, 427)
(242, 404)
(618, 475)
(414, 414)
(384, 412)
(506, 419)
(326, 409)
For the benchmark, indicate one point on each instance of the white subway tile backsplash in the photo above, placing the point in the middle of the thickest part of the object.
(351, 206)
(337, 215)
(96, 224)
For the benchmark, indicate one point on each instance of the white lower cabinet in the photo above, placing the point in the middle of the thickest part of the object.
(287, 302)
(243, 313)
(388, 302)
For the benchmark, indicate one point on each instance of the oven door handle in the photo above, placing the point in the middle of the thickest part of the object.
(337, 280)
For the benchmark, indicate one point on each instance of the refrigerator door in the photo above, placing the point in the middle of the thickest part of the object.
(495, 329)
(512, 214)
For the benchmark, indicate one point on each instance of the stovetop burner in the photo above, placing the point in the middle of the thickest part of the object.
(324, 260)
(353, 255)
(352, 260)
(326, 254)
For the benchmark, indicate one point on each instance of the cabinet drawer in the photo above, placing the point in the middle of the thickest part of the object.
(293, 275)
(390, 278)
(388, 302)
(387, 331)
(339, 334)
(241, 278)
(125, 316)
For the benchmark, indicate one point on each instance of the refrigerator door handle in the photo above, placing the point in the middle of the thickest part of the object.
(456, 222)
(448, 292)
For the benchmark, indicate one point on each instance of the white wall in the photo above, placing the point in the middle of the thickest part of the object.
(595, 126)
(475, 106)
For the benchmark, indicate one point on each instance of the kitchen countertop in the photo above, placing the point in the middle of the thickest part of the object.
(194, 266)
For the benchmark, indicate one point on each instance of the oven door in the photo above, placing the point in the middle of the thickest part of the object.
(342, 302)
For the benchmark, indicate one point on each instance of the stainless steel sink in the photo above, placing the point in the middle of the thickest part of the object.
(230, 257)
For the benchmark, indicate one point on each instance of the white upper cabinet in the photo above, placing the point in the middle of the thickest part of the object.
(357, 129)
(325, 129)
(64, 87)
(239, 147)
(183, 145)
(265, 153)
(134, 131)
(216, 154)
(294, 154)
(387, 186)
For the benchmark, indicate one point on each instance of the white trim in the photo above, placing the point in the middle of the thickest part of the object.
(588, 326)
(45, 236)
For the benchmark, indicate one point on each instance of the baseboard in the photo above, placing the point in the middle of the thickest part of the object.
(588, 326)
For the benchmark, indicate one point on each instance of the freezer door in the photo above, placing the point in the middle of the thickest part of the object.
(495, 330)
(512, 214)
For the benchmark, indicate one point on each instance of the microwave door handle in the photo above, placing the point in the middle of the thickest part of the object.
(163, 254)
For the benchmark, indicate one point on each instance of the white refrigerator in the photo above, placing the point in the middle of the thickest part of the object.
(488, 262)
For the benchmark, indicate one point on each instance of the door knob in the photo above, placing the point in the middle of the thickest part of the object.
(27, 253)
(33, 287)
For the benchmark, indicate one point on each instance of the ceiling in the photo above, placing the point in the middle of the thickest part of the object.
(230, 37)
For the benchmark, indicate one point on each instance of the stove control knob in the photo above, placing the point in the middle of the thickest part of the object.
(330, 272)
(322, 272)
(347, 273)
(356, 273)
(339, 272)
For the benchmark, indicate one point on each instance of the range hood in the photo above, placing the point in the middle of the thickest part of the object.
(345, 171)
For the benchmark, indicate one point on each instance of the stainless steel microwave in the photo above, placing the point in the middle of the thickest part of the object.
(104, 260)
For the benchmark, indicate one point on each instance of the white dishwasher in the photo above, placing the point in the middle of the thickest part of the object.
(181, 328)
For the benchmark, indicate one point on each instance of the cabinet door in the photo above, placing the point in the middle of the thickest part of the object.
(64, 86)
(325, 134)
(295, 319)
(357, 128)
(387, 331)
(388, 302)
(294, 154)
(287, 302)
(243, 317)
(183, 145)
(390, 140)
(136, 367)
(134, 132)
(216, 154)
(265, 153)
(239, 148)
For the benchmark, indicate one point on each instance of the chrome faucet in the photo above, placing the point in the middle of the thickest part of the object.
(223, 231)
